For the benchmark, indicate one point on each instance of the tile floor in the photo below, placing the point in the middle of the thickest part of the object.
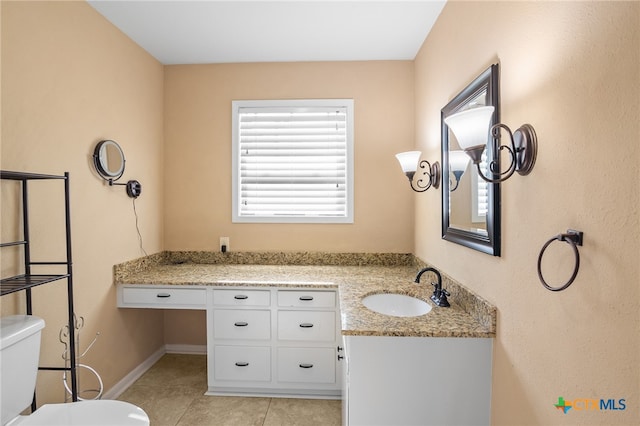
(172, 393)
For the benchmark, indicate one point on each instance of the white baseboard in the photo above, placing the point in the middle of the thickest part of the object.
(186, 349)
(119, 388)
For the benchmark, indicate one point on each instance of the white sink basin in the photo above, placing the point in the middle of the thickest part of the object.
(396, 305)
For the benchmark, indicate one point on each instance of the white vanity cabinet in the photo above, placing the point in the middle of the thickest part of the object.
(417, 380)
(260, 340)
(271, 341)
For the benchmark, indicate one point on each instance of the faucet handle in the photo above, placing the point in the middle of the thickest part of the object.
(443, 302)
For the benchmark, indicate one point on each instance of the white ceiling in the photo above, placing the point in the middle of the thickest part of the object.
(214, 31)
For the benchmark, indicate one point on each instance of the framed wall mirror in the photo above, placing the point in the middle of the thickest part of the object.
(471, 206)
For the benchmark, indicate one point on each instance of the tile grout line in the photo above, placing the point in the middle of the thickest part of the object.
(186, 410)
(267, 412)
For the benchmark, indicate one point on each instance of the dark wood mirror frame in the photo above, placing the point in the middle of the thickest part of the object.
(490, 242)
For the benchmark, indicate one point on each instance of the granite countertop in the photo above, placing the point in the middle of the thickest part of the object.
(468, 316)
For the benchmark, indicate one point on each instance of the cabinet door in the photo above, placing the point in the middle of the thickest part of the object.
(418, 380)
(307, 325)
(242, 363)
(241, 324)
(306, 365)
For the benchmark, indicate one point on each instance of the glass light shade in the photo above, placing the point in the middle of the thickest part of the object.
(471, 127)
(409, 160)
(458, 161)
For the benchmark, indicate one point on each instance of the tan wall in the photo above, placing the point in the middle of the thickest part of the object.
(572, 69)
(70, 79)
(198, 154)
(198, 161)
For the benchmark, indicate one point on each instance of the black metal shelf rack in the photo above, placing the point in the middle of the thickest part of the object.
(26, 281)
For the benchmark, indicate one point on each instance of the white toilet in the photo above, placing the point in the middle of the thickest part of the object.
(19, 357)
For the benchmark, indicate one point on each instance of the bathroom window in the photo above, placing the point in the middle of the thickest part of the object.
(293, 161)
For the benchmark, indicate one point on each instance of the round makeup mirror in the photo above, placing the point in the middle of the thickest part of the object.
(109, 160)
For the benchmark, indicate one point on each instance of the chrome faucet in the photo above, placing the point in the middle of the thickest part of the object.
(439, 296)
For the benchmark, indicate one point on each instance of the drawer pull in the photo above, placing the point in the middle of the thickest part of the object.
(306, 298)
(306, 325)
(163, 295)
(241, 297)
(306, 365)
(241, 324)
(242, 364)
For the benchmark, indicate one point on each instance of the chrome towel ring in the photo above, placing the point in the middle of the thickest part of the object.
(574, 239)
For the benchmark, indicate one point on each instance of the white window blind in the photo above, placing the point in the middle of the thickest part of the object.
(293, 161)
(480, 192)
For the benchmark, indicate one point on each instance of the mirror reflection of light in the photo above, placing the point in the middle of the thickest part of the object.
(458, 161)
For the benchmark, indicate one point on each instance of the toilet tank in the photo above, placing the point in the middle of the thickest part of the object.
(19, 355)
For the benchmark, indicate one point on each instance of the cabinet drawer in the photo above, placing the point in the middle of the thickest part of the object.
(307, 325)
(242, 297)
(306, 365)
(247, 363)
(162, 297)
(241, 324)
(307, 299)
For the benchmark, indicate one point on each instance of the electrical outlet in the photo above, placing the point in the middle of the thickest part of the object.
(224, 244)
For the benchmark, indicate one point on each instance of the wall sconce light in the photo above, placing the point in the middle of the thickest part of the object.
(409, 163)
(458, 161)
(471, 128)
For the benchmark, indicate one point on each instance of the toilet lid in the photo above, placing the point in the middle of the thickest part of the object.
(88, 413)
